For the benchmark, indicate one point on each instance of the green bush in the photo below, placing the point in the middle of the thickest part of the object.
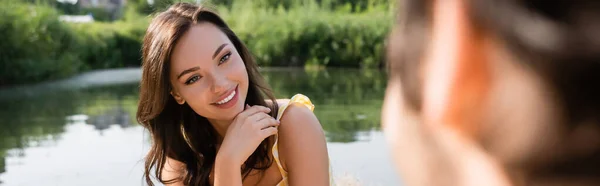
(99, 14)
(35, 46)
(109, 45)
(39, 47)
(328, 5)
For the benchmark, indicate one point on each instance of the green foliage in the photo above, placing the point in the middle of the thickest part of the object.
(300, 33)
(109, 45)
(68, 8)
(310, 35)
(328, 5)
(40, 47)
(99, 14)
(36, 46)
(143, 7)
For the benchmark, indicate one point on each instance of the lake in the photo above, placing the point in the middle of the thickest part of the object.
(82, 130)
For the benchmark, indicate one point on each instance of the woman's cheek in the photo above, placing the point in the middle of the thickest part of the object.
(238, 68)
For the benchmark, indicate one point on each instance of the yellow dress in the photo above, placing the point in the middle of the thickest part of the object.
(298, 98)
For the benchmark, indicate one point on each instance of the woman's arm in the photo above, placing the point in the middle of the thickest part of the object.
(303, 148)
(227, 173)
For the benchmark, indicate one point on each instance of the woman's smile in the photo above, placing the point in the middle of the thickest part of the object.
(227, 100)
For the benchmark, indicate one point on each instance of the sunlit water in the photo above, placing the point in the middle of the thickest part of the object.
(82, 131)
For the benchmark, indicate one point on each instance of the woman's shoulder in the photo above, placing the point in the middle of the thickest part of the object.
(297, 117)
(299, 133)
(295, 113)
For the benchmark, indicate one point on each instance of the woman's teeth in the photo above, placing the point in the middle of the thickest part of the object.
(227, 99)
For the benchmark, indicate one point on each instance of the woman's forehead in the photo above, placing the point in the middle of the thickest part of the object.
(198, 46)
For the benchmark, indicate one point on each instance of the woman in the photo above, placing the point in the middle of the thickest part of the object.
(202, 101)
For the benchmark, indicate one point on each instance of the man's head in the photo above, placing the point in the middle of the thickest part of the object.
(510, 87)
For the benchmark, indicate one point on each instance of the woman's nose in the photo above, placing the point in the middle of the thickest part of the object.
(219, 83)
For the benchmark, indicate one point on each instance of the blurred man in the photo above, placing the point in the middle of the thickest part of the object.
(495, 92)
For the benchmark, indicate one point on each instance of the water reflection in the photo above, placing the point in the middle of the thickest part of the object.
(116, 115)
(347, 104)
(347, 101)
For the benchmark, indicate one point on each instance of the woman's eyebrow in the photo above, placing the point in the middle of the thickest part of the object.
(219, 50)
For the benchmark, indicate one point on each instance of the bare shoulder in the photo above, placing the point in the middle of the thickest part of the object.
(300, 132)
(303, 147)
(298, 116)
(173, 170)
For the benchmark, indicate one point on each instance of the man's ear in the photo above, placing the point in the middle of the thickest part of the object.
(177, 97)
(456, 75)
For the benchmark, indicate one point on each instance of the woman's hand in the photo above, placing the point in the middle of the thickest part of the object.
(246, 132)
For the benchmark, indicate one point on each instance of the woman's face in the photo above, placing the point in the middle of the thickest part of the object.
(208, 73)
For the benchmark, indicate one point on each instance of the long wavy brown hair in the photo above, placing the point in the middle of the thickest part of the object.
(168, 122)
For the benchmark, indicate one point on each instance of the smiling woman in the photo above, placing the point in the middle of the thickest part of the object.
(203, 101)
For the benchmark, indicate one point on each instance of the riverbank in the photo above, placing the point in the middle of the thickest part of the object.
(40, 47)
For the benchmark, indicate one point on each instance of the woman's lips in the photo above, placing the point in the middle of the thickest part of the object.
(227, 101)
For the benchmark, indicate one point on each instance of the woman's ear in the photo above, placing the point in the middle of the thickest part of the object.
(456, 74)
(177, 97)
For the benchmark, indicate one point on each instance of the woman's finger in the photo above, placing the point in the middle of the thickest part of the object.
(253, 110)
(257, 117)
(269, 131)
(267, 122)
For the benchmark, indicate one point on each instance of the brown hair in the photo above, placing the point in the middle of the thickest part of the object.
(564, 50)
(167, 121)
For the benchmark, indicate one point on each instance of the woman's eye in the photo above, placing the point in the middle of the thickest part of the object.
(192, 80)
(225, 58)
